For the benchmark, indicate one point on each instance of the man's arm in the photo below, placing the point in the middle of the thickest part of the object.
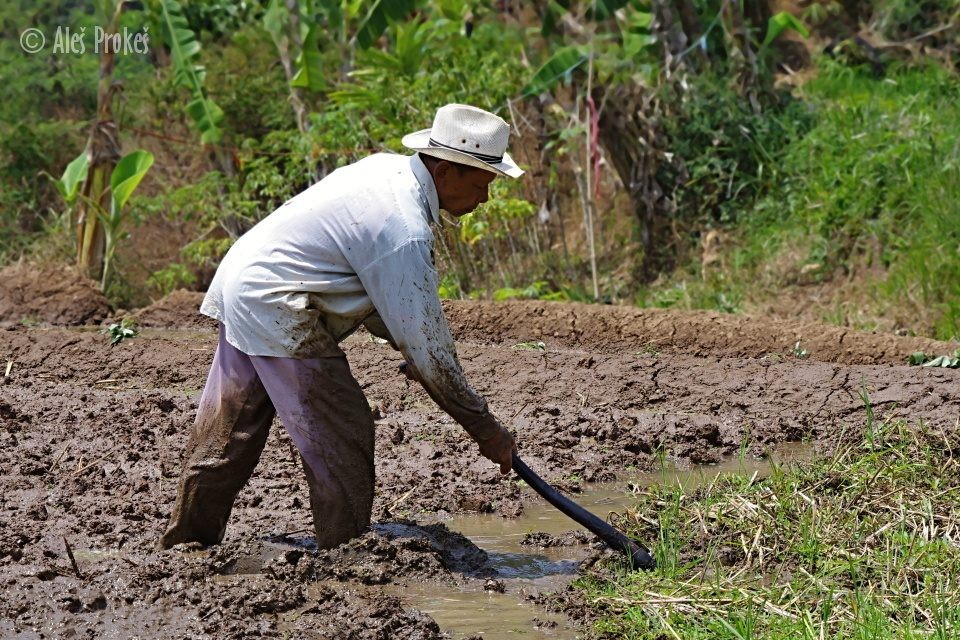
(403, 288)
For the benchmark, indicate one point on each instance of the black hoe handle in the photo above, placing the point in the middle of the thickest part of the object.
(639, 555)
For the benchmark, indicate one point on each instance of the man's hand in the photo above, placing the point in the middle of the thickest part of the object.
(499, 449)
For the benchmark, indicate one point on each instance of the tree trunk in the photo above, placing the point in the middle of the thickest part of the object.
(296, 93)
(104, 151)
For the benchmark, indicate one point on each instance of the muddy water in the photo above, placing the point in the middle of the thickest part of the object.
(525, 569)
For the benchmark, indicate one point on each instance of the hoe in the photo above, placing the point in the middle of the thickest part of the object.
(638, 555)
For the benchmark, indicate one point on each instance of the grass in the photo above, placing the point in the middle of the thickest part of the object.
(869, 191)
(859, 544)
(863, 201)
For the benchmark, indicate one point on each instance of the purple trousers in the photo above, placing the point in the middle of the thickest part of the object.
(327, 417)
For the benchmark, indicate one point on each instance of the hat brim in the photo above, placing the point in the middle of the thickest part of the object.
(420, 141)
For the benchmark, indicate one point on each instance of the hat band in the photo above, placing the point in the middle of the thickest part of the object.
(479, 156)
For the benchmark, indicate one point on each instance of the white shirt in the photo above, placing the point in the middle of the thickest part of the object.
(354, 248)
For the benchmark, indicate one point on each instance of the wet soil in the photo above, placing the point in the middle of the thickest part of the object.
(91, 438)
(57, 295)
(614, 329)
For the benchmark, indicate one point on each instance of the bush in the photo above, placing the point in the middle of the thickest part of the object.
(726, 153)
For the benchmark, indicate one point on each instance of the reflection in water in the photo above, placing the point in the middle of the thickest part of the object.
(529, 566)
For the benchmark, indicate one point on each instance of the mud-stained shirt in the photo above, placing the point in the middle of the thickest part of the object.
(355, 248)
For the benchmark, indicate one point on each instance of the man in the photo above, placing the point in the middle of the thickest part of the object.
(355, 248)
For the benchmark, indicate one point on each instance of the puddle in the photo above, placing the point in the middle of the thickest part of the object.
(92, 556)
(527, 569)
(491, 615)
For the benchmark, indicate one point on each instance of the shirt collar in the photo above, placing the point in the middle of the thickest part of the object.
(427, 186)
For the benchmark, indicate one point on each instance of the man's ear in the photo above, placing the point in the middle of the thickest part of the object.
(441, 170)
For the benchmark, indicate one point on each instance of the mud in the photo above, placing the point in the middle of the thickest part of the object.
(54, 295)
(91, 438)
(178, 310)
(616, 329)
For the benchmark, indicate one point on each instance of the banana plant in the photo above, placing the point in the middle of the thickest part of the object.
(124, 179)
(101, 154)
(184, 48)
(300, 28)
(73, 176)
(381, 14)
(409, 44)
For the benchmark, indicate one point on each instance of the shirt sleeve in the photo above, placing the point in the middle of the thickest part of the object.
(403, 287)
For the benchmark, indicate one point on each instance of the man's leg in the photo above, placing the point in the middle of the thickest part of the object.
(326, 414)
(233, 420)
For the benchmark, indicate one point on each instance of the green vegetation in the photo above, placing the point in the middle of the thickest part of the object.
(947, 362)
(674, 158)
(533, 345)
(859, 544)
(120, 331)
(871, 187)
(857, 182)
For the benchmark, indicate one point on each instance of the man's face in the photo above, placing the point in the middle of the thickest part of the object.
(461, 191)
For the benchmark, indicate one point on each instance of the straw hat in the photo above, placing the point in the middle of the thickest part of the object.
(467, 135)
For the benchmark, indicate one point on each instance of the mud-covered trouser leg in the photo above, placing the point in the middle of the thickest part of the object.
(233, 420)
(327, 416)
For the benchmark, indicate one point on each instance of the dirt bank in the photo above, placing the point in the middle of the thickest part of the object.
(91, 438)
(55, 295)
(615, 329)
(696, 333)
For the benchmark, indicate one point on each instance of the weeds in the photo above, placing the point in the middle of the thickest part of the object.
(649, 349)
(120, 331)
(860, 544)
(532, 346)
(878, 204)
(947, 362)
(799, 352)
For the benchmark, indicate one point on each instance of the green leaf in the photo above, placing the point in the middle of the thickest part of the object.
(120, 331)
(532, 345)
(208, 116)
(274, 20)
(183, 48)
(560, 65)
(73, 176)
(379, 16)
(917, 357)
(356, 96)
(945, 362)
(780, 23)
(640, 21)
(310, 64)
(127, 175)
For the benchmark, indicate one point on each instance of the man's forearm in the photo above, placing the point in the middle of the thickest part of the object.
(452, 394)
